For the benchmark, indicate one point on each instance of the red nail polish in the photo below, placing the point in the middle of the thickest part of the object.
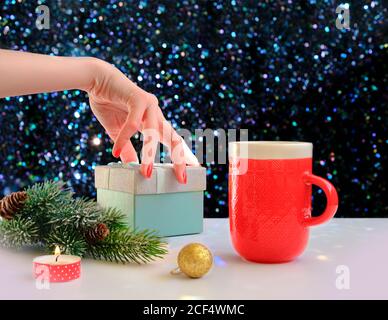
(149, 170)
(117, 153)
(184, 177)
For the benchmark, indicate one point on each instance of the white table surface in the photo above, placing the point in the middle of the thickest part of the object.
(359, 244)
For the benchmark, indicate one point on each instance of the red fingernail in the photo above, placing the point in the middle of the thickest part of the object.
(184, 176)
(149, 170)
(117, 153)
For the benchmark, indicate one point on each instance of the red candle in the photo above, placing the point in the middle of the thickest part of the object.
(57, 267)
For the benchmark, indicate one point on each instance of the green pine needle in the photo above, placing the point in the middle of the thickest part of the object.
(80, 213)
(43, 201)
(18, 232)
(123, 246)
(68, 239)
(114, 219)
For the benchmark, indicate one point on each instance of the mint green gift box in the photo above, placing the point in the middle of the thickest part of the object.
(159, 203)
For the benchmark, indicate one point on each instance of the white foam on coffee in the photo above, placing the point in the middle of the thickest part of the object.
(265, 150)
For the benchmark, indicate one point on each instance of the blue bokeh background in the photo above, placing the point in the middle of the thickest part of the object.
(278, 68)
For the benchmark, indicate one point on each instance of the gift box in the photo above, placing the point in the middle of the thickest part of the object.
(159, 203)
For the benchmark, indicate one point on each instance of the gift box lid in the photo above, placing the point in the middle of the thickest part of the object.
(127, 178)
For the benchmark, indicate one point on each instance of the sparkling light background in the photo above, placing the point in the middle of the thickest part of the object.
(278, 68)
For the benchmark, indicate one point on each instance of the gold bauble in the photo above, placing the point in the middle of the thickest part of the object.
(195, 260)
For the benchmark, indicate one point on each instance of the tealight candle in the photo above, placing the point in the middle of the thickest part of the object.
(57, 267)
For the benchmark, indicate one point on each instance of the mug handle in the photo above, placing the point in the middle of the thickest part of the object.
(331, 196)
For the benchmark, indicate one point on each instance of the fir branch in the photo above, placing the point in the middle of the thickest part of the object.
(18, 232)
(80, 213)
(51, 217)
(69, 240)
(114, 219)
(129, 246)
(44, 199)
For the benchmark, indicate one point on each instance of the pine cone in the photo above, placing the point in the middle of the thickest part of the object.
(12, 204)
(97, 234)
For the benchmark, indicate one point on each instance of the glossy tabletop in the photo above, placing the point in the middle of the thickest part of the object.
(345, 259)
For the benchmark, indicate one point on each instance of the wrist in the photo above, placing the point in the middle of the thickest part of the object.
(95, 71)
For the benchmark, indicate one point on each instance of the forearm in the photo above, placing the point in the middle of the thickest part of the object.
(28, 73)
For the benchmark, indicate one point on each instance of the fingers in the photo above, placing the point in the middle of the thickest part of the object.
(130, 127)
(179, 165)
(169, 137)
(128, 154)
(150, 143)
(175, 143)
(191, 159)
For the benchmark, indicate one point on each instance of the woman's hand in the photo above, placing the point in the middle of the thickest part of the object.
(120, 105)
(124, 109)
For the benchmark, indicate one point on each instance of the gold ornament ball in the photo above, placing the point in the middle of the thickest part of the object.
(195, 260)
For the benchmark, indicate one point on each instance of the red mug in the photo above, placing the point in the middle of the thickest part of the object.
(270, 199)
